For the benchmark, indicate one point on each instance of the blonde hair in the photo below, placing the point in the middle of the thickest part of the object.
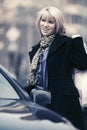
(56, 13)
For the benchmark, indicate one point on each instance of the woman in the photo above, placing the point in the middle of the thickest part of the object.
(52, 62)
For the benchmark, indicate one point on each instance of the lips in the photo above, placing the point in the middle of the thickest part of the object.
(45, 30)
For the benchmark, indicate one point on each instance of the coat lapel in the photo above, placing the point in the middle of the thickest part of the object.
(58, 41)
(33, 51)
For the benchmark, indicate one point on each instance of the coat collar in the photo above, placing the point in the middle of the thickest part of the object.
(57, 42)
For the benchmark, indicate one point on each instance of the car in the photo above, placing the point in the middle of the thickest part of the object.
(18, 112)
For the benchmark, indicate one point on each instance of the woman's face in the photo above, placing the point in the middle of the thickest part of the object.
(47, 25)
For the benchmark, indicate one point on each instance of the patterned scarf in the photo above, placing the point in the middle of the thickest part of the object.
(44, 43)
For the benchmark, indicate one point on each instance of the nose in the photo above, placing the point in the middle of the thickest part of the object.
(46, 23)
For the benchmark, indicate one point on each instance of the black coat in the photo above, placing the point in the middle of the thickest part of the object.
(64, 55)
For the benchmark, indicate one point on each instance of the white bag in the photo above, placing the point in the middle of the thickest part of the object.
(80, 80)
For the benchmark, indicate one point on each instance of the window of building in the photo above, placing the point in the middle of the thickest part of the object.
(73, 18)
(74, 1)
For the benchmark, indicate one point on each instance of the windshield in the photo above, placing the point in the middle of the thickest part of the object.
(6, 89)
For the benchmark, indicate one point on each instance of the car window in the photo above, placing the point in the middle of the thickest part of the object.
(6, 89)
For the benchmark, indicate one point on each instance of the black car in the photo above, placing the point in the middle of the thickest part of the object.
(18, 112)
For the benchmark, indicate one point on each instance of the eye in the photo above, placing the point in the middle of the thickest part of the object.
(51, 21)
(43, 20)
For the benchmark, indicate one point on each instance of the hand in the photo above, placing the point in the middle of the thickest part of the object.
(75, 35)
(41, 97)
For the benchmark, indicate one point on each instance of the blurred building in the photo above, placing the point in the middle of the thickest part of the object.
(19, 16)
(76, 17)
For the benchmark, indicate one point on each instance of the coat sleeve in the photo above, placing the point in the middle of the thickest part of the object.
(79, 57)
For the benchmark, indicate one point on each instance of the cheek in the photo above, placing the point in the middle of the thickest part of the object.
(41, 23)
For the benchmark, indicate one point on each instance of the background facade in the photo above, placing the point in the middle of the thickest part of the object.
(18, 30)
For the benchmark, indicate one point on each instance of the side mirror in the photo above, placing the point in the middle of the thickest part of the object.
(41, 97)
